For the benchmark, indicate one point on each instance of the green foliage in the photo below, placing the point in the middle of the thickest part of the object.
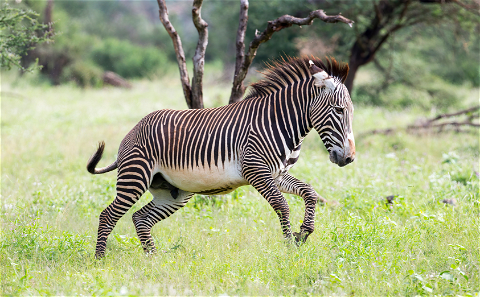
(85, 74)
(90, 31)
(19, 33)
(428, 70)
(436, 94)
(127, 59)
(30, 239)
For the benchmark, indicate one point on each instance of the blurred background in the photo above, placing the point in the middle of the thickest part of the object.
(401, 53)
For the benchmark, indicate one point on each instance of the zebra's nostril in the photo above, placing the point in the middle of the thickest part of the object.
(348, 160)
(335, 156)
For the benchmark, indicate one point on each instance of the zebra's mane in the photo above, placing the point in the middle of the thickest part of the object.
(281, 73)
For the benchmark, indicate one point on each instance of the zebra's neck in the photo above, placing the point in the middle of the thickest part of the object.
(288, 111)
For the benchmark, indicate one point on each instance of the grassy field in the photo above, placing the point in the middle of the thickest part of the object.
(232, 244)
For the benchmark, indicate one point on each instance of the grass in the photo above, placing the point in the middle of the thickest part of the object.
(231, 244)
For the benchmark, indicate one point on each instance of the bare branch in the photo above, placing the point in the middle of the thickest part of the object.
(404, 10)
(474, 7)
(177, 44)
(240, 44)
(449, 115)
(388, 131)
(465, 123)
(282, 22)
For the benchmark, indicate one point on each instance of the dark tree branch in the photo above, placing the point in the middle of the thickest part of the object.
(282, 22)
(474, 7)
(391, 16)
(449, 115)
(177, 44)
(199, 57)
(404, 10)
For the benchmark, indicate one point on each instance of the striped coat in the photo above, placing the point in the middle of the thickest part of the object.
(177, 153)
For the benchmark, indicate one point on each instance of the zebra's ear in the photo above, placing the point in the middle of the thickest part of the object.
(322, 79)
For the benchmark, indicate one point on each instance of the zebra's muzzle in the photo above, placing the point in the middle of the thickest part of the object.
(335, 158)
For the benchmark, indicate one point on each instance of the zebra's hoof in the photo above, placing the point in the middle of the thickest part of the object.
(300, 237)
(151, 253)
(99, 256)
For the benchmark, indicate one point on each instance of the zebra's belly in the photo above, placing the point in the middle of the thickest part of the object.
(205, 180)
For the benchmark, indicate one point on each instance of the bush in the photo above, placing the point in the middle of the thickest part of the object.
(128, 60)
(85, 74)
(438, 94)
(411, 83)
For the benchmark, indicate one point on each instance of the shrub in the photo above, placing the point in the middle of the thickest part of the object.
(85, 74)
(424, 90)
(128, 60)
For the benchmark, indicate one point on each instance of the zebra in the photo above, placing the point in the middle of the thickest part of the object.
(175, 154)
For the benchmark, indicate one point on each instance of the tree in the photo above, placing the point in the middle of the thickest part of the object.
(193, 92)
(384, 18)
(377, 22)
(19, 33)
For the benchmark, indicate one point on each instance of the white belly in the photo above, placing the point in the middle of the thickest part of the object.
(204, 179)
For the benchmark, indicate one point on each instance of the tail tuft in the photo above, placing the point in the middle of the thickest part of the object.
(95, 158)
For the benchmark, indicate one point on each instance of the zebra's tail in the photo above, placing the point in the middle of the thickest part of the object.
(95, 158)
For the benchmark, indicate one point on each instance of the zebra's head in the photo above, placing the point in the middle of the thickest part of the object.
(332, 111)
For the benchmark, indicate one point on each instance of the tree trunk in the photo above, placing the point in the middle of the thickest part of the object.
(358, 57)
(353, 67)
(48, 12)
(369, 42)
(199, 57)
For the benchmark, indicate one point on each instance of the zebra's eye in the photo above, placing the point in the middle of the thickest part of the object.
(338, 110)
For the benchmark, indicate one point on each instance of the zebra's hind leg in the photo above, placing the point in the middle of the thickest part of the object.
(289, 184)
(161, 207)
(130, 187)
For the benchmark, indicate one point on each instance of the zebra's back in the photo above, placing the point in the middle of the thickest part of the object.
(197, 151)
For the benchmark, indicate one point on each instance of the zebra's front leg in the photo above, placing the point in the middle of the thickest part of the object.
(161, 207)
(261, 179)
(289, 184)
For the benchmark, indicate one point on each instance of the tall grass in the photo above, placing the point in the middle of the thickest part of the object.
(231, 244)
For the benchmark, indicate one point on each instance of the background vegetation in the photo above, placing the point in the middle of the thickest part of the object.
(418, 64)
(424, 242)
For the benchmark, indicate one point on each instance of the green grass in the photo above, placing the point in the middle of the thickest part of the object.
(231, 244)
